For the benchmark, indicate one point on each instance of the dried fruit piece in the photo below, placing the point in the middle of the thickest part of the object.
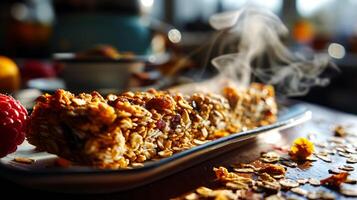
(272, 169)
(335, 180)
(244, 170)
(222, 174)
(301, 149)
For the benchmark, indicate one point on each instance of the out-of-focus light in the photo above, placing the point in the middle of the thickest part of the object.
(147, 3)
(336, 50)
(309, 7)
(174, 35)
(273, 5)
(19, 11)
(271, 137)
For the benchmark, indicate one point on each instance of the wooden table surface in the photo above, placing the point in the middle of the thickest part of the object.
(321, 125)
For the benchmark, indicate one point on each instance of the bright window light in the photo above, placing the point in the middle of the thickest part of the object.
(147, 3)
(307, 8)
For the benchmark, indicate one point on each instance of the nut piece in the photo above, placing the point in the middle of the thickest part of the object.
(340, 131)
(24, 160)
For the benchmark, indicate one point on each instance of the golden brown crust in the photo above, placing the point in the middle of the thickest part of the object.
(122, 130)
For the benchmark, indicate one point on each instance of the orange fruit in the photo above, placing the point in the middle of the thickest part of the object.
(9, 75)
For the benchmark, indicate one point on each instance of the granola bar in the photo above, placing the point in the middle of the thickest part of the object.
(120, 131)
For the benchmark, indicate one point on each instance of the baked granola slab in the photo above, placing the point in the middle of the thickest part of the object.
(120, 131)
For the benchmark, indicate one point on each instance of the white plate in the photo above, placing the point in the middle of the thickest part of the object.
(90, 180)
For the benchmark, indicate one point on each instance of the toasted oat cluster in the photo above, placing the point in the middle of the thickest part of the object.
(125, 130)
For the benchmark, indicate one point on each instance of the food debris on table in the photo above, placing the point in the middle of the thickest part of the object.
(340, 131)
(335, 180)
(301, 149)
(272, 175)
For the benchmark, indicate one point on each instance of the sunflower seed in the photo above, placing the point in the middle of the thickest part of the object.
(299, 191)
(205, 192)
(303, 180)
(192, 196)
(336, 140)
(280, 176)
(351, 181)
(320, 195)
(349, 192)
(325, 158)
(270, 186)
(311, 158)
(314, 182)
(274, 197)
(352, 160)
(346, 155)
(270, 157)
(321, 144)
(350, 150)
(288, 163)
(347, 168)
(288, 183)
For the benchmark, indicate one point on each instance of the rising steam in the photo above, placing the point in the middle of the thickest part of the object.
(260, 54)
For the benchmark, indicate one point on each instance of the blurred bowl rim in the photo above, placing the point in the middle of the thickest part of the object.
(153, 59)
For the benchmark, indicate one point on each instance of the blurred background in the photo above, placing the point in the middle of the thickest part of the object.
(113, 45)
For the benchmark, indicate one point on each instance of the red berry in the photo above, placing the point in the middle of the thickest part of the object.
(13, 124)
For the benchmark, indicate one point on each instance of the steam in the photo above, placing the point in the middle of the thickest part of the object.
(259, 53)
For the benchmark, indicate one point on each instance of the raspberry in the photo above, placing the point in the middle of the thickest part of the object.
(13, 124)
